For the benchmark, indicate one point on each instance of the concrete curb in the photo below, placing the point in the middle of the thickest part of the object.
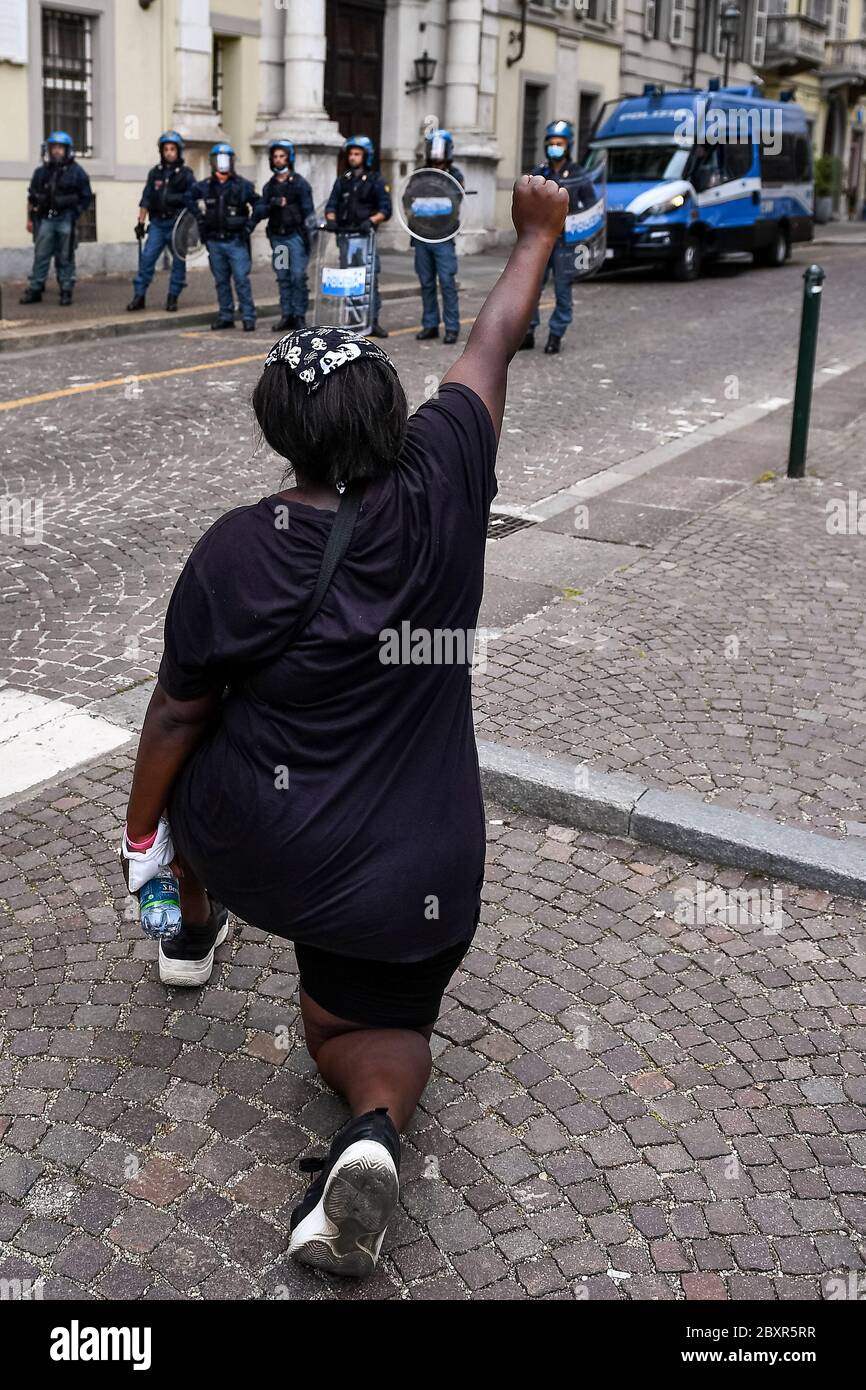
(134, 324)
(571, 793)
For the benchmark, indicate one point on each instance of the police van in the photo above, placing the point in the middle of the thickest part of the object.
(692, 175)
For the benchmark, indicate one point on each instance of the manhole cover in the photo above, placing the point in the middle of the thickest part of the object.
(501, 525)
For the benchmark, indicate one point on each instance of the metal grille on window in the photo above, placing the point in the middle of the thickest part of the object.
(678, 21)
(67, 76)
(759, 33)
(217, 77)
(533, 98)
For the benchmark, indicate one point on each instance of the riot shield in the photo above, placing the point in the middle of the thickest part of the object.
(580, 252)
(430, 205)
(186, 241)
(343, 279)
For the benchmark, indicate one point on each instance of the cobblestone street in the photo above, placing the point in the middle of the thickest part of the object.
(628, 1103)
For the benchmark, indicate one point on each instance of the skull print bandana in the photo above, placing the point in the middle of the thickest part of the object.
(313, 353)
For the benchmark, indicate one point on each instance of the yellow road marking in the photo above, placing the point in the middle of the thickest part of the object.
(86, 386)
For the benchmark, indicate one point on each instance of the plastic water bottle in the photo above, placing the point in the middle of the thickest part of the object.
(159, 906)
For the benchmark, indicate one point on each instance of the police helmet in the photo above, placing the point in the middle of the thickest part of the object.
(282, 144)
(171, 137)
(361, 142)
(439, 144)
(222, 158)
(58, 137)
(563, 129)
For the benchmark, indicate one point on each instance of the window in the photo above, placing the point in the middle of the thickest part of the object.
(217, 57)
(792, 164)
(67, 76)
(651, 19)
(736, 161)
(533, 130)
(759, 33)
(840, 26)
(802, 159)
(610, 11)
(678, 21)
(587, 113)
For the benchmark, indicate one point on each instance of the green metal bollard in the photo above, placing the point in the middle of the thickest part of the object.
(813, 284)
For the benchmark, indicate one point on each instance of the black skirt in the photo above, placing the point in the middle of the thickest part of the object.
(378, 993)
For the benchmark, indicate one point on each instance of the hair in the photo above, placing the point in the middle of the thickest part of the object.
(351, 427)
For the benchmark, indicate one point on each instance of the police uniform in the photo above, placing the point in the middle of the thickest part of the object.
(434, 259)
(59, 193)
(166, 194)
(580, 195)
(287, 204)
(225, 227)
(355, 197)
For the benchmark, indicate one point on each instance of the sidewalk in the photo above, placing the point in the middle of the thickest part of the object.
(699, 622)
(623, 1106)
(99, 304)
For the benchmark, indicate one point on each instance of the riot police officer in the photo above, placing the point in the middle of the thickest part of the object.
(287, 203)
(559, 137)
(164, 196)
(434, 259)
(361, 200)
(224, 206)
(59, 193)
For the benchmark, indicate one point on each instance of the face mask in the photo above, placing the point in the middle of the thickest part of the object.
(554, 152)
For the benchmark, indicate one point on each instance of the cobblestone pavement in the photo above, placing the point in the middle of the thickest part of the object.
(730, 658)
(623, 1105)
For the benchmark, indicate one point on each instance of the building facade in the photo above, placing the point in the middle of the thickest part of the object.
(115, 73)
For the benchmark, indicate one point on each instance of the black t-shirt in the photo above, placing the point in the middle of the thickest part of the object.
(338, 802)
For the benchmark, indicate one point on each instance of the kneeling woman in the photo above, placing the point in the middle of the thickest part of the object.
(310, 740)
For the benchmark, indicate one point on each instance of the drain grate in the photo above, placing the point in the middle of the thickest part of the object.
(500, 525)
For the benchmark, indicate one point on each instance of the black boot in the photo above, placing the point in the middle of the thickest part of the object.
(171, 304)
(528, 341)
(285, 325)
(339, 1224)
(301, 321)
(65, 298)
(450, 338)
(222, 323)
(31, 297)
(426, 333)
(552, 343)
(377, 331)
(249, 325)
(137, 302)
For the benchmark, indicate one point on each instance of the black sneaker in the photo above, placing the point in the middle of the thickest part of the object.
(426, 333)
(187, 959)
(528, 342)
(552, 343)
(340, 1223)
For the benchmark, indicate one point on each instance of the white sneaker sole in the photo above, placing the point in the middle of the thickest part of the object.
(188, 973)
(343, 1233)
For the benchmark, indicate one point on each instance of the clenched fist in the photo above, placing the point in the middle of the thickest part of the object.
(538, 207)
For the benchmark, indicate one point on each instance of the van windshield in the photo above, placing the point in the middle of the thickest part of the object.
(640, 163)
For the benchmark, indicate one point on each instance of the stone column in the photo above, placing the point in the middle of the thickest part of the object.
(469, 83)
(303, 117)
(193, 115)
(271, 79)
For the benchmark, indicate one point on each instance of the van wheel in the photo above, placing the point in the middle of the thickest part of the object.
(775, 254)
(687, 265)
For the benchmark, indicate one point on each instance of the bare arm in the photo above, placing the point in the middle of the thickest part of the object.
(172, 730)
(538, 211)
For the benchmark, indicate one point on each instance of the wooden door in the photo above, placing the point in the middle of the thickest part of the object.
(353, 66)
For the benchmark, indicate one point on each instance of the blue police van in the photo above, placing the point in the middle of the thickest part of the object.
(692, 175)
